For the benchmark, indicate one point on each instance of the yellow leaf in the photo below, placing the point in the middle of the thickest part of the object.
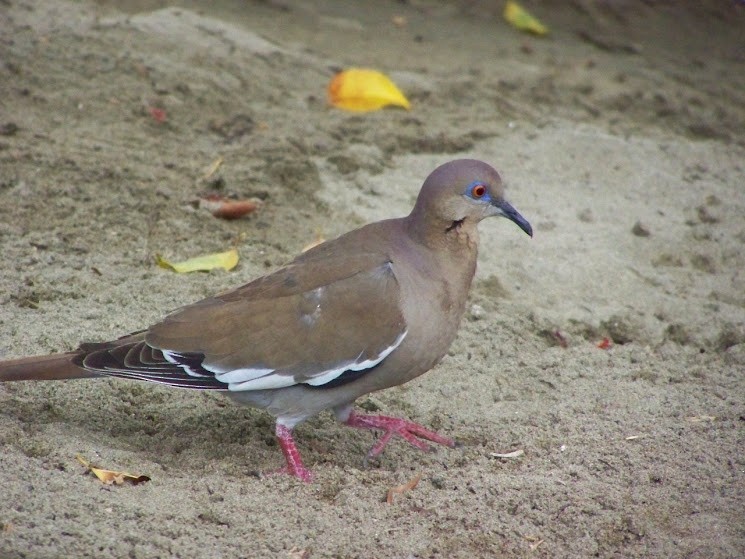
(110, 477)
(226, 260)
(214, 166)
(522, 20)
(359, 89)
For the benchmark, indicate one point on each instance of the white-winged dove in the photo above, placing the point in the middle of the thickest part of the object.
(371, 309)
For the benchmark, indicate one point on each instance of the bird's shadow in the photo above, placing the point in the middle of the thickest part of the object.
(163, 424)
(187, 430)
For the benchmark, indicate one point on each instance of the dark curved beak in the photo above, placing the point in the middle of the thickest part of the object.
(513, 215)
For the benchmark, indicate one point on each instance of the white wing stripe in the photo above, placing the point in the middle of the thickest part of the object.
(170, 357)
(245, 374)
(264, 383)
(263, 379)
(354, 366)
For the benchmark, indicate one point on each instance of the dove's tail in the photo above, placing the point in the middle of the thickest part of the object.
(57, 366)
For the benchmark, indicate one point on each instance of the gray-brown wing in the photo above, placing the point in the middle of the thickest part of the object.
(306, 323)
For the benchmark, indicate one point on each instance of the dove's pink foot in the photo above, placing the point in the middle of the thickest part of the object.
(294, 465)
(391, 426)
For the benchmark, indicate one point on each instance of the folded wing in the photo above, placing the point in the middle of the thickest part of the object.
(310, 322)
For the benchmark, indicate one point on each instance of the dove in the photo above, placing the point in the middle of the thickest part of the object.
(371, 309)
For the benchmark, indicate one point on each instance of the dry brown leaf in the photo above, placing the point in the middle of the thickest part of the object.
(298, 553)
(227, 208)
(701, 418)
(111, 477)
(514, 454)
(535, 541)
(605, 343)
(408, 486)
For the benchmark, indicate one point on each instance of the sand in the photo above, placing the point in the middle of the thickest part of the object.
(621, 138)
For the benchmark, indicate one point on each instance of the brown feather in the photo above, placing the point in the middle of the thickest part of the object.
(58, 366)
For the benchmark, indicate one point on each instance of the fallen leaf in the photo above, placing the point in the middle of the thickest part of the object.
(298, 553)
(514, 454)
(535, 541)
(226, 208)
(701, 418)
(110, 477)
(408, 486)
(226, 260)
(605, 343)
(520, 19)
(360, 89)
(157, 114)
(213, 167)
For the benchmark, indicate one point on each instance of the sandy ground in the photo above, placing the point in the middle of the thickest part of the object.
(622, 139)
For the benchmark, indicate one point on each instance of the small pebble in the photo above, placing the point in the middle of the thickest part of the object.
(477, 312)
(640, 230)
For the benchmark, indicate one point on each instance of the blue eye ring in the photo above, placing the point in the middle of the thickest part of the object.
(477, 190)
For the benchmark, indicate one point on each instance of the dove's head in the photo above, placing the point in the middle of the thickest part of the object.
(464, 191)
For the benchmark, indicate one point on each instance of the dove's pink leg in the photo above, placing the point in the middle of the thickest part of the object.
(292, 455)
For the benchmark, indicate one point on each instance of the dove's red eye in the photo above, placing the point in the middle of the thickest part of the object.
(478, 191)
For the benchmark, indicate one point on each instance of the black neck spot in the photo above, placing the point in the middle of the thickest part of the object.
(455, 225)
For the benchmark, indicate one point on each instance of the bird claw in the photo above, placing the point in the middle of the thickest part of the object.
(408, 430)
